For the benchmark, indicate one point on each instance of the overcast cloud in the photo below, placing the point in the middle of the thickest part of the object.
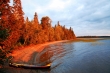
(86, 17)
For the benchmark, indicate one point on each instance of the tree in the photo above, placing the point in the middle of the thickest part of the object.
(36, 22)
(46, 25)
(4, 13)
(26, 32)
(51, 34)
(59, 33)
(11, 20)
(18, 11)
(4, 27)
(72, 35)
(18, 14)
(46, 22)
(19, 19)
(4, 18)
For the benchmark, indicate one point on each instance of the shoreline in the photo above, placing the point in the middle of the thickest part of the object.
(24, 54)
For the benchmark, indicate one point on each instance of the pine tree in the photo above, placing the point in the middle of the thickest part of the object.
(18, 14)
(36, 22)
(19, 19)
(18, 10)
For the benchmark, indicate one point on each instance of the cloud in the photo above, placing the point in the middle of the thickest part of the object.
(58, 5)
(45, 6)
(82, 15)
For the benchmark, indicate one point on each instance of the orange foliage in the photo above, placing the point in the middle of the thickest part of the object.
(11, 19)
(25, 32)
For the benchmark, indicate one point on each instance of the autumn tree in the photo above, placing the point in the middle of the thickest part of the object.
(4, 18)
(37, 28)
(26, 32)
(19, 20)
(46, 22)
(35, 21)
(11, 20)
(5, 14)
(30, 32)
(46, 25)
(51, 34)
(18, 13)
(59, 33)
(71, 34)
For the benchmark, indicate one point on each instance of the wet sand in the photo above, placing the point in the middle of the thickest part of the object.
(28, 53)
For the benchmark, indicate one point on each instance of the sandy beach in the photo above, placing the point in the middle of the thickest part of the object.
(25, 54)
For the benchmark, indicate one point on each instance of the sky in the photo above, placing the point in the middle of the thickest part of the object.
(86, 17)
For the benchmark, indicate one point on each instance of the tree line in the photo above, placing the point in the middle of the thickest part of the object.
(16, 31)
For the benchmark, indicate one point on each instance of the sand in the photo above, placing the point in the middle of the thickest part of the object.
(25, 54)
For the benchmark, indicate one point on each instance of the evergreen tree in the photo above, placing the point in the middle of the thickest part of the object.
(59, 33)
(18, 11)
(19, 19)
(36, 22)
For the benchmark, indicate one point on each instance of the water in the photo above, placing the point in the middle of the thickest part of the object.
(73, 57)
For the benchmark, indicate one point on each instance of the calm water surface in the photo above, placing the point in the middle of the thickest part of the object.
(73, 57)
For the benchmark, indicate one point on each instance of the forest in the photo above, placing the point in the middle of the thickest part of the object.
(16, 31)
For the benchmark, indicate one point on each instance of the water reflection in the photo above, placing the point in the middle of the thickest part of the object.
(53, 52)
(83, 57)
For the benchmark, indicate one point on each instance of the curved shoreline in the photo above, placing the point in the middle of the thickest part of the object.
(26, 54)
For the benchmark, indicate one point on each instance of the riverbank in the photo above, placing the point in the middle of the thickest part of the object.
(24, 54)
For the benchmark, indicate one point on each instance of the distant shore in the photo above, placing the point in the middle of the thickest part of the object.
(93, 36)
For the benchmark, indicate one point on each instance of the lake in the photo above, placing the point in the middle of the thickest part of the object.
(73, 57)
